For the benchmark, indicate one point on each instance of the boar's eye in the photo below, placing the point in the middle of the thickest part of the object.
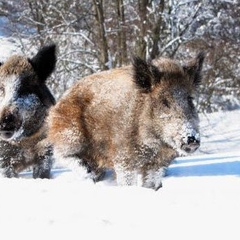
(166, 103)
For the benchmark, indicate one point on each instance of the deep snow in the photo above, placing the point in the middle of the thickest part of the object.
(200, 198)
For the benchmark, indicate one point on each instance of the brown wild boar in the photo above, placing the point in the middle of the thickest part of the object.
(135, 120)
(24, 103)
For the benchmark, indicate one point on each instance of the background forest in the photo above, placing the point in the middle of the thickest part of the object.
(95, 35)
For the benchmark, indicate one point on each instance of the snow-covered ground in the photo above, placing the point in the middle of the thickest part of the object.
(200, 198)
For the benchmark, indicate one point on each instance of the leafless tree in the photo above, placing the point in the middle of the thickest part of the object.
(101, 34)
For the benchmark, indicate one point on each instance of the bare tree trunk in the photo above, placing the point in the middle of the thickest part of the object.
(122, 42)
(157, 32)
(141, 43)
(104, 59)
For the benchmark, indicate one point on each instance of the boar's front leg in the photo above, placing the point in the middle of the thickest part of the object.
(9, 172)
(125, 176)
(145, 177)
(44, 162)
(152, 178)
(10, 159)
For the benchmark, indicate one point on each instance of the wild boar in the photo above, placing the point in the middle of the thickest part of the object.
(134, 120)
(24, 103)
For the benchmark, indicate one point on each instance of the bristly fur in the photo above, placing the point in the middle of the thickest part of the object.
(25, 100)
(44, 62)
(135, 119)
(146, 75)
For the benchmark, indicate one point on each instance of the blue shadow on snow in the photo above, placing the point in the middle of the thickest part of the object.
(209, 169)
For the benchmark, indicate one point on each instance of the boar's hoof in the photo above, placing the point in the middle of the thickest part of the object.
(98, 176)
(154, 186)
(39, 172)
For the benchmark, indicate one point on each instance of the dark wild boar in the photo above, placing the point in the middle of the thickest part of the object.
(24, 103)
(135, 120)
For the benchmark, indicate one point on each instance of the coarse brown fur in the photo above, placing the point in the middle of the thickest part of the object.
(25, 101)
(135, 119)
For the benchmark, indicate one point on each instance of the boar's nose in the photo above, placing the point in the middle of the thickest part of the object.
(6, 134)
(192, 144)
(8, 126)
(192, 140)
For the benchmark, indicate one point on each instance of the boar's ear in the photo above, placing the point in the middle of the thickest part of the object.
(194, 68)
(146, 75)
(44, 62)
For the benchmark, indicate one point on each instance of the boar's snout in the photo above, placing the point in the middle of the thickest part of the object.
(10, 122)
(191, 143)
